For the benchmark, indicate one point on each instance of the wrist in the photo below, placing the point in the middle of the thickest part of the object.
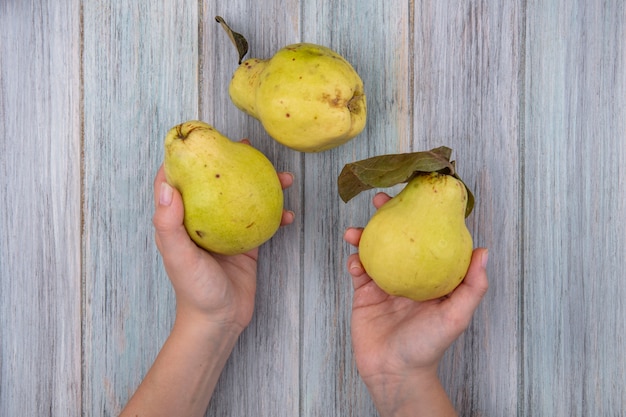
(403, 395)
(205, 328)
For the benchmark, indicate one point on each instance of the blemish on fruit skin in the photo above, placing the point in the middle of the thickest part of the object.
(335, 101)
(287, 115)
(200, 233)
(250, 225)
(217, 175)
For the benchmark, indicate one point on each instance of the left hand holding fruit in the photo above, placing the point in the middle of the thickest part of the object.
(231, 192)
(214, 303)
(218, 287)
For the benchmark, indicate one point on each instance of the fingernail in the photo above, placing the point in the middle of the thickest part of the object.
(485, 258)
(165, 196)
(288, 217)
(289, 174)
(356, 268)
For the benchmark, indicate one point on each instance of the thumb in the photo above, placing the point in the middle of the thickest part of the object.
(171, 236)
(472, 289)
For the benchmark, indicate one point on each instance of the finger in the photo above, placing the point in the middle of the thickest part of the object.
(171, 236)
(352, 235)
(287, 218)
(380, 199)
(286, 179)
(158, 179)
(356, 271)
(466, 297)
(355, 268)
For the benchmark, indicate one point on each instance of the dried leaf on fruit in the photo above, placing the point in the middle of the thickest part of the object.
(388, 170)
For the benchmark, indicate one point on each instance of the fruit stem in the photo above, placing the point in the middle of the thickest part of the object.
(238, 40)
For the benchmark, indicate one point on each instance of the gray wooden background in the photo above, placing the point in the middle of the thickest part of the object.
(530, 95)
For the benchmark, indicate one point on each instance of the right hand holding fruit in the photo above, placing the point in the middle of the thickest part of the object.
(417, 245)
(397, 340)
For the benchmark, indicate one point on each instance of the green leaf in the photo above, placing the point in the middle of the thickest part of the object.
(238, 40)
(388, 170)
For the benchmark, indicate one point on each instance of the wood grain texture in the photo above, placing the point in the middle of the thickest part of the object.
(262, 377)
(574, 210)
(140, 64)
(40, 276)
(467, 67)
(358, 31)
(530, 95)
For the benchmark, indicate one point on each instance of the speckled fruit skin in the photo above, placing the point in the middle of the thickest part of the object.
(231, 192)
(417, 244)
(307, 97)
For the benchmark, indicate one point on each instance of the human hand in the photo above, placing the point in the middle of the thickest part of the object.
(398, 342)
(214, 303)
(215, 288)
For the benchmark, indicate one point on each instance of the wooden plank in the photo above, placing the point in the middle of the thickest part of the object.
(375, 37)
(574, 209)
(140, 78)
(461, 58)
(40, 275)
(262, 375)
(467, 95)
